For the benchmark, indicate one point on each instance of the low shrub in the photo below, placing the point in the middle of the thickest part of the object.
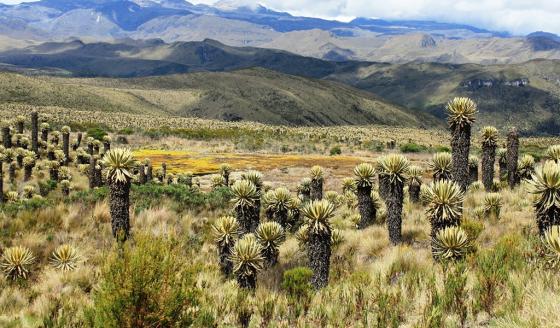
(297, 282)
(33, 204)
(122, 140)
(146, 283)
(335, 151)
(184, 197)
(493, 269)
(455, 296)
(126, 131)
(473, 228)
(441, 149)
(149, 195)
(96, 133)
(45, 187)
(412, 147)
(90, 196)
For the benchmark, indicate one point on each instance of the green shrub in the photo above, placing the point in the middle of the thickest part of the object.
(90, 196)
(254, 143)
(184, 197)
(122, 140)
(96, 133)
(243, 308)
(373, 145)
(25, 205)
(45, 187)
(538, 152)
(335, 151)
(441, 149)
(473, 228)
(412, 147)
(150, 195)
(388, 307)
(297, 282)
(147, 283)
(455, 294)
(84, 126)
(493, 269)
(201, 133)
(432, 316)
(126, 131)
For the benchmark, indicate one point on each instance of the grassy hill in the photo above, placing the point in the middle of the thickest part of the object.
(133, 58)
(287, 97)
(247, 95)
(534, 107)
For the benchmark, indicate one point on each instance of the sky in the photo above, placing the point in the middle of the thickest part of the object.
(514, 16)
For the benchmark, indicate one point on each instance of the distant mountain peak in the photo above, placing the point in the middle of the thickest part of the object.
(544, 41)
(376, 24)
(239, 5)
(229, 5)
(163, 3)
(544, 35)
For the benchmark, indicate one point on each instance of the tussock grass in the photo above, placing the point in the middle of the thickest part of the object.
(172, 255)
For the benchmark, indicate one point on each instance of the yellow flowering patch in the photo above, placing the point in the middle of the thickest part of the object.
(196, 162)
(179, 161)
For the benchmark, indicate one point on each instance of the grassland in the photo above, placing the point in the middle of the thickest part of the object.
(373, 284)
(168, 273)
(254, 95)
(195, 128)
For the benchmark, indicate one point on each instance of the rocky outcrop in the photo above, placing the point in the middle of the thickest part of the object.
(490, 83)
(428, 42)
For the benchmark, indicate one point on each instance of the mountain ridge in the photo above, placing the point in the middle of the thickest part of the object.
(361, 39)
(505, 93)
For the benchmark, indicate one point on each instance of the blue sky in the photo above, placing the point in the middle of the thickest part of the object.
(515, 16)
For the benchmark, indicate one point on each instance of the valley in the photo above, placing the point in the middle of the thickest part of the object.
(211, 80)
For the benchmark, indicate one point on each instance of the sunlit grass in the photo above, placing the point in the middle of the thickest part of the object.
(190, 161)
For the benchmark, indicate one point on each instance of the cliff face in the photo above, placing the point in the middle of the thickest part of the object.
(490, 83)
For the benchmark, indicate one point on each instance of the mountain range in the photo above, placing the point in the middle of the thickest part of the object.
(362, 39)
(526, 95)
(234, 63)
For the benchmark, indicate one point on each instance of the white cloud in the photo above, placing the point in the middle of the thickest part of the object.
(516, 16)
(10, 2)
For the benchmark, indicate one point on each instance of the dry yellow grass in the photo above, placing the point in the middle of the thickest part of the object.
(370, 278)
(364, 266)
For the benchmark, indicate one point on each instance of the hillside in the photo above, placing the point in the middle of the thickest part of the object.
(131, 58)
(247, 95)
(526, 95)
(523, 95)
(415, 47)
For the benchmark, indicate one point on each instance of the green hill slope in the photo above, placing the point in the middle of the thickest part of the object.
(239, 91)
(133, 58)
(523, 95)
(250, 95)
